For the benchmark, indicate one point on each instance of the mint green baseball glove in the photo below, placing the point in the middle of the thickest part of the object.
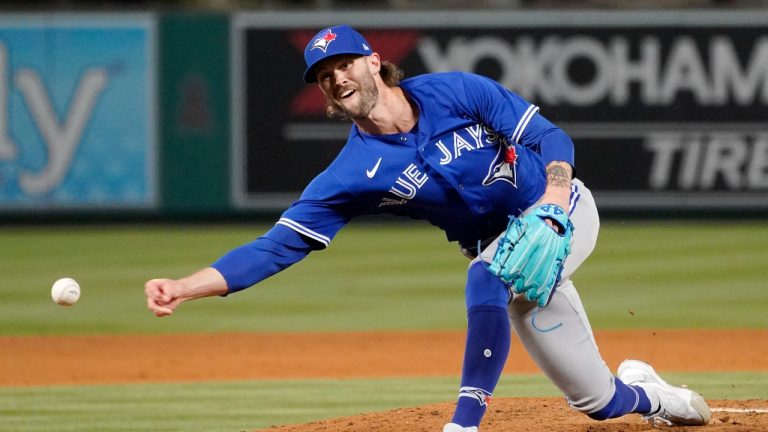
(531, 254)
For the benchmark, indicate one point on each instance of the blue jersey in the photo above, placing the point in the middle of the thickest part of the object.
(476, 156)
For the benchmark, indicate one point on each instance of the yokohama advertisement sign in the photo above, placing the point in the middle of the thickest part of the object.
(668, 110)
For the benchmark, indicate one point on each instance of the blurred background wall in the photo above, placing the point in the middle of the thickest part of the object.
(235, 5)
(177, 110)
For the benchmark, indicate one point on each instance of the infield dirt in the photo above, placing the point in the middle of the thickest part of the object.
(26, 360)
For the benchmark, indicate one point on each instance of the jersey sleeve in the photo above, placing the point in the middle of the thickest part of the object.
(509, 114)
(309, 224)
(271, 253)
(323, 209)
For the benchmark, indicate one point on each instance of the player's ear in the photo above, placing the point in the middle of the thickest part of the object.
(374, 63)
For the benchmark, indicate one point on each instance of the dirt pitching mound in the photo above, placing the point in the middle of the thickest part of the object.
(533, 414)
(96, 359)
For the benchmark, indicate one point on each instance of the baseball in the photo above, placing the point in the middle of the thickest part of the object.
(65, 291)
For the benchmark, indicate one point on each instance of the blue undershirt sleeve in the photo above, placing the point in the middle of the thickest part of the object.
(271, 253)
(551, 142)
(556, 145)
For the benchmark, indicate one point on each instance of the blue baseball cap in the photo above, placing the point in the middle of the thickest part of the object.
(333, 41)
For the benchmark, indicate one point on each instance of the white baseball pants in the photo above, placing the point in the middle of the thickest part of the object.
(559, 337)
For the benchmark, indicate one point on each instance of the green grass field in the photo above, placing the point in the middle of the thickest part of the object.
(671, 275)
(373, 277)
(232, 407)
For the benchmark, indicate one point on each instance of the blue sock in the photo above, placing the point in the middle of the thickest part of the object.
(643, 402)
(627, 399)
(487, 348)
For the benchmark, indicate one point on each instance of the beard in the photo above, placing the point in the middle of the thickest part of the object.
(367, 93)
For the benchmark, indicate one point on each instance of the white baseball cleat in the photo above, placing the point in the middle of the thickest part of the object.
(453, 427)
(676, 405)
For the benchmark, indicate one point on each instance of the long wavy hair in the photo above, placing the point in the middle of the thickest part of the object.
(391, 73)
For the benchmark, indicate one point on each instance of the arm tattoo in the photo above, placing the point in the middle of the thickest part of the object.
(558, 176)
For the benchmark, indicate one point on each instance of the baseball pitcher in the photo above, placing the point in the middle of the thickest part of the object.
(483, 165)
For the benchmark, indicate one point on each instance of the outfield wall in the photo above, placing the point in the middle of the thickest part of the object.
(175, 114)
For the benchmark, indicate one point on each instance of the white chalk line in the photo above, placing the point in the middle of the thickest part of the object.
(740, 410)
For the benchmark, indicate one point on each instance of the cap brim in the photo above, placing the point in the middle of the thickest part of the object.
(309, 73)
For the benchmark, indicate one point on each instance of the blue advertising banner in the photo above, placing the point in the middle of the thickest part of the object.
(77, 112)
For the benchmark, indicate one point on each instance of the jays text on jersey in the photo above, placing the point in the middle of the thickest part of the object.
(476, 156)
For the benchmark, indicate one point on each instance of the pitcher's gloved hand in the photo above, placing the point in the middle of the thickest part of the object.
(531, 253)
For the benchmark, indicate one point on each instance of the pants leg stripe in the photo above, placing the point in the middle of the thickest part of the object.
(575, 195)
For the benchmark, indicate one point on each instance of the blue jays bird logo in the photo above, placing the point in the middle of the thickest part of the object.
(476, 393)
(323, 42)
(504, 166)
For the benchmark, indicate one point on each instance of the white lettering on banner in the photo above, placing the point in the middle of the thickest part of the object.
(645, 69)
(539, 70)
(8, 148)
(684, 72)
(744, 85)
(586, 48)
(464, 54)
(60, 138)
(757, 173)
(739, 161)
(725, 156)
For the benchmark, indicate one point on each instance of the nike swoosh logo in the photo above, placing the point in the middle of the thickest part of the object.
(372, 172)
